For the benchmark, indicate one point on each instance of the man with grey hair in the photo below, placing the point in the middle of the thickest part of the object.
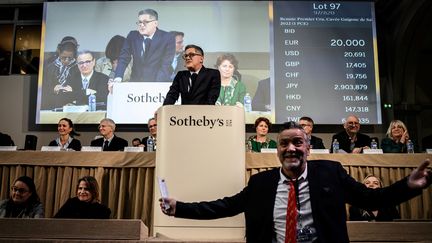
(88, 82)
(152, 126)
(350, 140)
(302, 201)
(151, 49)
(109, 141)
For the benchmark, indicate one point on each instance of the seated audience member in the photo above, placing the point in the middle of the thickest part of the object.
(396, 138)
(350, 140)
(382, 214)
(152, 126)
(427, 142)
(6, 140)
(108, 63)
(88, 82)
(24, 201)
(261, 99)
(232, 90)
(56, 86)
(66, 139)
(136, 142)
(307, 123)
(109, 141)
(86, 204)
(260, 140)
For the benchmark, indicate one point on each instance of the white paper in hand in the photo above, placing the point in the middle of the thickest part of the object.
(163, 191)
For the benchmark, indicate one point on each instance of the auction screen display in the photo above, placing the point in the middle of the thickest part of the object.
(288, 58)
(325, 62)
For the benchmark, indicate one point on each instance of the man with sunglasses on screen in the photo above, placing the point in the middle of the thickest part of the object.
(151, 49)
(197, 85)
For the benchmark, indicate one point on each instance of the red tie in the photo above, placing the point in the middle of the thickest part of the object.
(291, 216)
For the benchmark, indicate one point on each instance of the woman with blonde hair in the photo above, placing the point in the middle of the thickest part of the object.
(396, 139)
(381, 214)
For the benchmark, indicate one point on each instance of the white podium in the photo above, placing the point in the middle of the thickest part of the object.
(201, 156)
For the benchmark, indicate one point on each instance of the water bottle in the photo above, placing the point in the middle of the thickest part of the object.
(335, 146)
(374, 144)
(247, 103)
(410, 147)
(248, 146)
(150, 144)
(92, 102)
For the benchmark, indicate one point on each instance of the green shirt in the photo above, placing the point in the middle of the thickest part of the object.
(256, 146)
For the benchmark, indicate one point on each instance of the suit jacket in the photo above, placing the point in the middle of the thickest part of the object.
(98, 82)
(152, 65)
(144, 141)
(261, 99)
(6, 140)
(330, 187)
(50, 99)
(205, 90)
(316, 143)
(116, 144)
(75, 144)
(384, 214)
(345, 141)
(179, 67)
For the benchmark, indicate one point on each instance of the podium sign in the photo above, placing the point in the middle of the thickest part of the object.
(201, 156)
(133, 103)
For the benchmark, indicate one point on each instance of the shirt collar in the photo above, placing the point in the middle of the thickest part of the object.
(302, 177)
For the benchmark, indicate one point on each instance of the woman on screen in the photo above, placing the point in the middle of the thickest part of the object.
(24, 201)
(57, 74)
(382, 214)
(260, 140)
(396, 139)
(108, 63)
(66, 138)
(232, 90)
(86, 204)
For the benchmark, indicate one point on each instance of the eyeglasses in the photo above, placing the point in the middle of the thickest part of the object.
(151, 126)
(190, 55)
(19, 190)
(305, 125)
(84, 62)
(67, 59)
(144, 22)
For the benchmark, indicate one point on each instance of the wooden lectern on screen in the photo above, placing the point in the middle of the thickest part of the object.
(201, 156)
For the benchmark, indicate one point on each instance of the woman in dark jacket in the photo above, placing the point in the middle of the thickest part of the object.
(86, 205)
(382, 214)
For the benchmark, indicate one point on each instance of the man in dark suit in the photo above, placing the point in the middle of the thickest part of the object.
(152, 126)
(315, 192)
(350, 140)
(178, 62)
(88, 82)
(307, 123)
(6, 140)
(109, 141)
(151, 49)
(198, 85)
(261, 99)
